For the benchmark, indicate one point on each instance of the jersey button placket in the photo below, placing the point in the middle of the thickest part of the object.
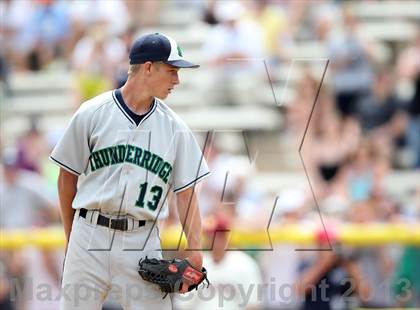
(128, 169)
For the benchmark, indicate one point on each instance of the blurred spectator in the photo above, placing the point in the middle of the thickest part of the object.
(234, 49)
(408, 62)
(386, 208)
(379, 108)
(6, 36)
(360, 176)
(288, 211)
(230, 272)
(274, 26)
(312, 21)
(209, 15)
(120, 75)
(330, 277)
(32, 149)
(145, 13)
(333, 280)
(114, 14)
(359, 173)
(350, 65)
(381, 115)
(326, 17)
(211, 191)
(23, 207)
(413, 137)
(230, 184)
(95, 59)
(5, 298)
(375, 262)
(329, 283)
(307, 18)
(332, 146)
(44, 33)
(334, 207)
(24, 190)
(4, 73)
(408, 86)
(410, 205)
(297, 112)
(15, 15)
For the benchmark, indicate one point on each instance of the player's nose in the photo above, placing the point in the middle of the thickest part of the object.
(176, 79)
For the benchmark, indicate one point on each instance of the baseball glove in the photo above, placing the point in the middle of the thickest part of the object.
(170, 274)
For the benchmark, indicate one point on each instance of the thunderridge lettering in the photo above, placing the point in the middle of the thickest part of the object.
(131, 154)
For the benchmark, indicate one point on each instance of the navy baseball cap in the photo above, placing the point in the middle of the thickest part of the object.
(158, 47)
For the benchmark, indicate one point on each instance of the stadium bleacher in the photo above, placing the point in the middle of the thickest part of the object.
(48, 94)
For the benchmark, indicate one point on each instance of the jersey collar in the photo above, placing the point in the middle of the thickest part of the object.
(130, 115)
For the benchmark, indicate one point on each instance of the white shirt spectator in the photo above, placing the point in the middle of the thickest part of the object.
(22, 201)
(235, 284)
(245, 39)
(113, 48)
(114, 13)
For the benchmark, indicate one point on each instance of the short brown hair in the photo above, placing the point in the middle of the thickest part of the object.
(132, 69)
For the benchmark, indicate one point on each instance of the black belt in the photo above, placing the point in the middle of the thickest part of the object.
(119, 224)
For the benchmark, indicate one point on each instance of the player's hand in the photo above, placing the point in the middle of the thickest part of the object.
(196, 260)
(184, 288)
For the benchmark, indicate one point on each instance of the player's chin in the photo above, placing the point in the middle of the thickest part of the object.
(164, 94)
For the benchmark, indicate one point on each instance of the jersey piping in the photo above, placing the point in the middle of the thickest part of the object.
(187, 185)
(65, 166)
(134, 116)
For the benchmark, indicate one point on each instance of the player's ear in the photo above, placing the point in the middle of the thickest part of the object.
(147, 67)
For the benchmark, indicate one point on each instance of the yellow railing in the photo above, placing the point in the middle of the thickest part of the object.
(358, 235)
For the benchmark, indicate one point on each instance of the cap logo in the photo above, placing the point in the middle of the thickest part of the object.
(179, 51)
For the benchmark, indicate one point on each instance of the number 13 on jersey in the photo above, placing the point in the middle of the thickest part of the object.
(154, 202)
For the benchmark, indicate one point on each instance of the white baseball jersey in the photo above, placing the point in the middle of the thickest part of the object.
(110, 152)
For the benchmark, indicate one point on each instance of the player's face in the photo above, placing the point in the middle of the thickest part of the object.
(163, 80)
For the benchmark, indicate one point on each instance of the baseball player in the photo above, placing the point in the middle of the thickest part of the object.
(121, 154)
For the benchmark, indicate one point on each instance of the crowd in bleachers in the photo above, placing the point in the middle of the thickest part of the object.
(364, 128)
